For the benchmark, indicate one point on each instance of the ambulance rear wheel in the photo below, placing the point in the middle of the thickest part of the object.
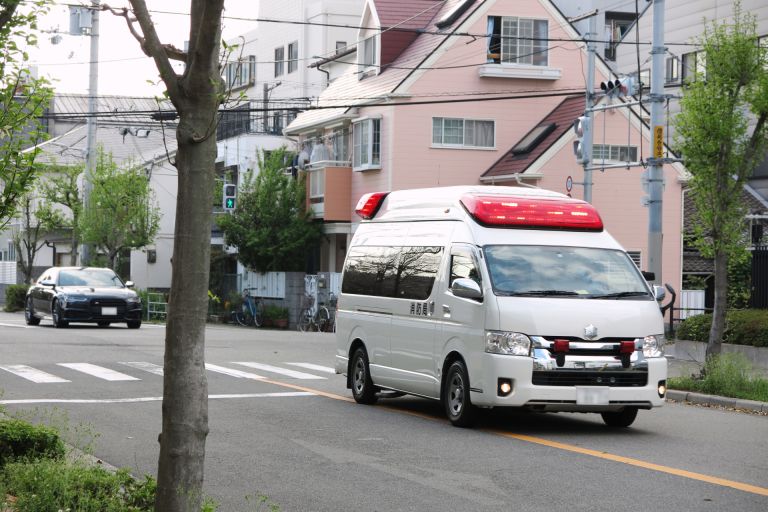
(458, 406)
(620, 419)
(362, 386)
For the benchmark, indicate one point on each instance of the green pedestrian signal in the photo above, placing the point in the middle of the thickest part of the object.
(229, 193)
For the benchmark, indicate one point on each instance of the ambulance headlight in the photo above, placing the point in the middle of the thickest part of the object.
(507, 343)
(653, 346)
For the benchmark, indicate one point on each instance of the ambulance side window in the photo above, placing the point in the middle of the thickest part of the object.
(463, 266)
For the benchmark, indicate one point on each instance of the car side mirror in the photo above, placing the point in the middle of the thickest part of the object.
(130, 284)
(659, 293)
(466, 289)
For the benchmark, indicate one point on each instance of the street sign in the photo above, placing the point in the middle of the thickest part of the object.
(658, 142)
(568, 183)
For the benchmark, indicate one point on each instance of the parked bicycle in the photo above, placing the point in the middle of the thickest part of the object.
(313, 318)
(251, 312)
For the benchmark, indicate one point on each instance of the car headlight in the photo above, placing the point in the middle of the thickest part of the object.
(133, 300)
(75, 299)
(507, 343)
(653, 346)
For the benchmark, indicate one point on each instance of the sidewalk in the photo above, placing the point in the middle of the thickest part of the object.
(682, 365)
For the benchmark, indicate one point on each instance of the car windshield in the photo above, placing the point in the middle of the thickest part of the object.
(87, 277)
(567, 272)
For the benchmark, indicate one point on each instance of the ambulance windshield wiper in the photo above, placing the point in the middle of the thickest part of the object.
(620, 295)
(541, 293)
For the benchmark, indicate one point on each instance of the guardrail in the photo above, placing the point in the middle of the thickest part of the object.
(157, 308)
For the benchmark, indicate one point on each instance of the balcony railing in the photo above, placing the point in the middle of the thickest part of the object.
(253, 118)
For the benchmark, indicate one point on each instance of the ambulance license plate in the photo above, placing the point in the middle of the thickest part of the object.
(108, 311)
(592, 395)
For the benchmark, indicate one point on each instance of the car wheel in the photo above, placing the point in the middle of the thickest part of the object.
(58, 321)
(29, 313)
(458, 406)
(362, 385)
(134, 324)
(620, 419)
(103, 324)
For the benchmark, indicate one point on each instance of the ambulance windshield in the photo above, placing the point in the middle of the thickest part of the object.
(568, 272)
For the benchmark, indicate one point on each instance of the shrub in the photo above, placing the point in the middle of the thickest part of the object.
(728, 375)
(275, 312)
(15, 295)
(742, 327)
(55, 485)
(20, 440)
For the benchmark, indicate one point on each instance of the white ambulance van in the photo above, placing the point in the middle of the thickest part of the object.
(485, 296)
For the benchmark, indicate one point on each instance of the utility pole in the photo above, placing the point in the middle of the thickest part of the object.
(267, 90)
(588, 129)
(655, 169)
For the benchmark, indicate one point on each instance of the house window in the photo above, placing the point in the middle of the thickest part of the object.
(293, 56)
(694, 64)
(317, 182)
(672, 74)
(368, 58)
(366, 144)
(279, 60)
(612, 152)
(518, 40)
(340, 145)
(240, 73)
(463, 133)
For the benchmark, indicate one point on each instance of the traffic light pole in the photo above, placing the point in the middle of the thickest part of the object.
(655, 169)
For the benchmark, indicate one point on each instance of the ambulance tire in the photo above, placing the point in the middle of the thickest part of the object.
(458, 406)
(363, 389)
(620, 419)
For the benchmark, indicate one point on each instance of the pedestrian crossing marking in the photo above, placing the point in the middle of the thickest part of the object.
(231, 372)
(147, 367)
(98, 371)
(316, 367)
(285, 394)
(29, 373)
(278, 370)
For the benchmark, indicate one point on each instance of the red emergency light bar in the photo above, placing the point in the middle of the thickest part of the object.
(539, 212)
(369, 204)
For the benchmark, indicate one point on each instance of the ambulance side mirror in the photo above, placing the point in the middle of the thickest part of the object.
(659, 293)
(466, 289)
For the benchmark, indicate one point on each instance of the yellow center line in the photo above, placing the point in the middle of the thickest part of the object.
(723, 482)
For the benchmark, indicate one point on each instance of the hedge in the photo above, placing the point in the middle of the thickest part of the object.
(742, 327)
(20, 440)
(15, 295)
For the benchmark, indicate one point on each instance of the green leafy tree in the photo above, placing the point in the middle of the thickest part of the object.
(35, 223)
(60, 187)
(721, 134)
(23, 99)
(120, 212)
(270, 225)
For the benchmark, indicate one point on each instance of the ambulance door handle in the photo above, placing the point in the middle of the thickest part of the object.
(446, 310)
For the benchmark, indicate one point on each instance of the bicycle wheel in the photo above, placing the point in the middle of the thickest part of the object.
(305, 320)
(244, 316)
(258, 314)
(323, 319)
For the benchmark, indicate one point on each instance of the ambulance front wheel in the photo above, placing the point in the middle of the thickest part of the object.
(458, 406)
(362, 386)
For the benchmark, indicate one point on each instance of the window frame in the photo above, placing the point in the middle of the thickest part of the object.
(617, 149)
(293, 56)
(497, 40)
(370, 45)
(279, 61)
(240, 73)
(371, 144)
(462, 145)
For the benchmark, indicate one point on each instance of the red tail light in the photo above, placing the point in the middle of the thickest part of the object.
(369, 204)
(523, 212)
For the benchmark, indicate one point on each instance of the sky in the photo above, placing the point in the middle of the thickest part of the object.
(123, 68)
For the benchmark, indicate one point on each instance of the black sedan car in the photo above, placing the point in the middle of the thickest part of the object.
(82, 294)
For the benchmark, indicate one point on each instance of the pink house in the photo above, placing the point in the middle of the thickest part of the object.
(464, 92)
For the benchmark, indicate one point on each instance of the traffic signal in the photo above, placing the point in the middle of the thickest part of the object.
(229, 197)
(580, 146)
(624, 86)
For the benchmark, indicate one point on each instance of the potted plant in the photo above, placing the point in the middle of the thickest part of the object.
(276, 316)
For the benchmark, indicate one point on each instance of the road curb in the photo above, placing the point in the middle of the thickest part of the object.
(720, 401)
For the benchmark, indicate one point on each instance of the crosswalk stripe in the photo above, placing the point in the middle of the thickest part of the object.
(316, 367)
(29, 373)
(231, 372)
(97, 371)
(147, 367)
(278, 370)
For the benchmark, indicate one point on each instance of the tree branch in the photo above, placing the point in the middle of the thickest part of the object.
(7, 12)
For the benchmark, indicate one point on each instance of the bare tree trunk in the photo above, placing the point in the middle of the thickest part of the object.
(714, 345)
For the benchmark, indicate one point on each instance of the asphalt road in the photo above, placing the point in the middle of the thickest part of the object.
(299, 439)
